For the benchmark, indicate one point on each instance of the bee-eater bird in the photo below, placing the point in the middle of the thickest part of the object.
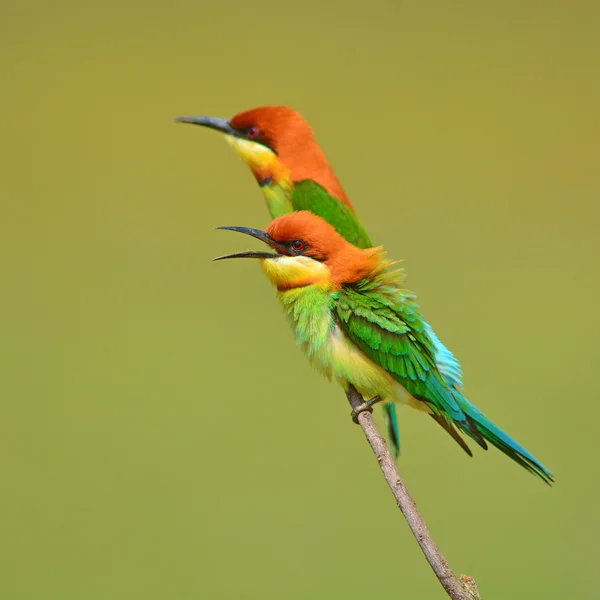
(293, 173)
(291, 169)
(358, 325)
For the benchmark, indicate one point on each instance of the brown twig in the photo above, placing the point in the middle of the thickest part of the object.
(467, 590)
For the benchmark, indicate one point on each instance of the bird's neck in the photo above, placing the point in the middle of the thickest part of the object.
(277, 173)
(268, 169)
(278, 196)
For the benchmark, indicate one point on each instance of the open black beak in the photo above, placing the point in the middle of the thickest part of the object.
(259, 235)
(217, 123)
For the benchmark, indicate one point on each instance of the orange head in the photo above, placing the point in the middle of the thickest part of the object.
(309, 251)
(278, 145)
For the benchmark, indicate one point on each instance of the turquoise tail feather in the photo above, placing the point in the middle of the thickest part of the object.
(477, 425)
(493, 434)
(391, 425)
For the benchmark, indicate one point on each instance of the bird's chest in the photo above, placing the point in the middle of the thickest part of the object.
(329, 350)
(309, 311)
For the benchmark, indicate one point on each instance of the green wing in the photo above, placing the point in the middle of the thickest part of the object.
(385, 324)
(309, 195)
(388, 328)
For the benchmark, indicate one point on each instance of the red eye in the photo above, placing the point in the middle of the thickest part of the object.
(298, 245)
(252, 132)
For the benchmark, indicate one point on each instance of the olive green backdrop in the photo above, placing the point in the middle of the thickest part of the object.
(161, 437)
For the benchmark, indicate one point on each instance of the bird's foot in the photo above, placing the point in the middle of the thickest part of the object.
(365, 406)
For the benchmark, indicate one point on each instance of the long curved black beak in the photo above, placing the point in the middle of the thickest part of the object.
(259, 235)
(222, 125)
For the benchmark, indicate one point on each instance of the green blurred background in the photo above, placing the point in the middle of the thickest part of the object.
(161, 436)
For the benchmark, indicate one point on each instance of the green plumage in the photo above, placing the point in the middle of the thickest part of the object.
(309, 195)
(384, 322)
(389, 330)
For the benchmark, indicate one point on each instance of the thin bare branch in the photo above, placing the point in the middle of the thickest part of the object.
(466, 589)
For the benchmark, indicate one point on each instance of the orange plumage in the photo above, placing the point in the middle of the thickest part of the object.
(347, 263)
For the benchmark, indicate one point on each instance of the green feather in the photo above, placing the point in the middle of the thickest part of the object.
(309, 195)
(384, 322)
(391, 426)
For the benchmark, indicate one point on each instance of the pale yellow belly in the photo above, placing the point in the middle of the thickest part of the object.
(341, 360)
